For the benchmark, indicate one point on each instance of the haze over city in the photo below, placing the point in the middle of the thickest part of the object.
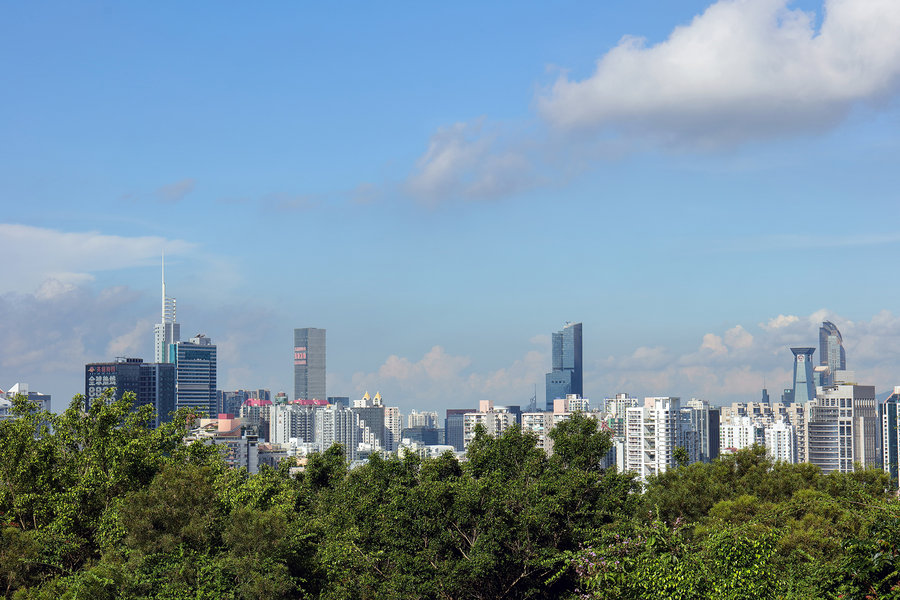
(441, 187)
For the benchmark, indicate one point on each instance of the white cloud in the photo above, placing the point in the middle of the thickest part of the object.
(440, 380)
(735, 364)
(780, 321)
(34, 255)
(465, 161)
(744, 69)
(713, 343)
(738, 337)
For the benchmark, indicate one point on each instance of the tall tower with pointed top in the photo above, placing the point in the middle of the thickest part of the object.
(167, 331)
(804, 387)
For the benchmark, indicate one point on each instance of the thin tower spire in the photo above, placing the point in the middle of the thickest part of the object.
(163, 320)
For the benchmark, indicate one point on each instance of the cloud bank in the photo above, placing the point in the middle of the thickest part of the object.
(743, 70)
(53, 261)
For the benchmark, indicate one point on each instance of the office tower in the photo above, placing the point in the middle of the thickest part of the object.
(454, 428)
(167, 331)
(309, 364)
(195, 374)
(714, 444)
(765, 396)
(804, 388)
(124, 375)
(842, 428)
(157, 388)
(427, 436)
(889, 417)
(230, 402)
(651, 436)
(698, 416)
(566, 376)
(831, 350)
(151, 383)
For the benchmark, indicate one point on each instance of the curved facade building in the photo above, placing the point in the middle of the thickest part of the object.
(831, 350)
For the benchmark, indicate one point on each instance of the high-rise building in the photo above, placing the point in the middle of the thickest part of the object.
(652, 432)
(494, 419)
(167, 331)
(566, 376)
(841, 428)
(889, 417)
(831, 350)
(151, 383)
(804, 388)
(195, 374)
(454, 427)
(336, 425)
(705, 421)
(781, 442)
(309, 364)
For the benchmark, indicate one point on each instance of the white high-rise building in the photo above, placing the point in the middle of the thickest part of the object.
(842, 428)
(740, 432)
(781, 442)
(651, 436)
(393, 426)
(167, 331)
(495, 422)
(336, 425)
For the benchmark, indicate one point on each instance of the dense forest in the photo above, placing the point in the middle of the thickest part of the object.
(95, 504)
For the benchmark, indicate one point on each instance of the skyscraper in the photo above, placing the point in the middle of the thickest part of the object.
(831, 350)
(167, 331)
(889, 417)
(566, 375)
(804, 388)
(195, 374)
(151, 383)
(309, 364)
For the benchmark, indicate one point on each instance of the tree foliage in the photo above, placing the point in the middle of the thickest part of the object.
(95, 503)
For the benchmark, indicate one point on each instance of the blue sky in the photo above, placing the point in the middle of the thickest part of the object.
(441, 186)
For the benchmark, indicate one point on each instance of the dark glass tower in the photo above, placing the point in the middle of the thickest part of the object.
(195, 374)
(151, 383)
(566, 376)
(309, 364)
(831, 350)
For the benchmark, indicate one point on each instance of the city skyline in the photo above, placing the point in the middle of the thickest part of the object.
(410, 173)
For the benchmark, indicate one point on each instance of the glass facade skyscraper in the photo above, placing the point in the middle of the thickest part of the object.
(804, 387)
(831, 350)
(309, 364)
(566, 376)
(195, 374)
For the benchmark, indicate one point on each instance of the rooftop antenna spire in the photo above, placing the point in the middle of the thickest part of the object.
(163, 287)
